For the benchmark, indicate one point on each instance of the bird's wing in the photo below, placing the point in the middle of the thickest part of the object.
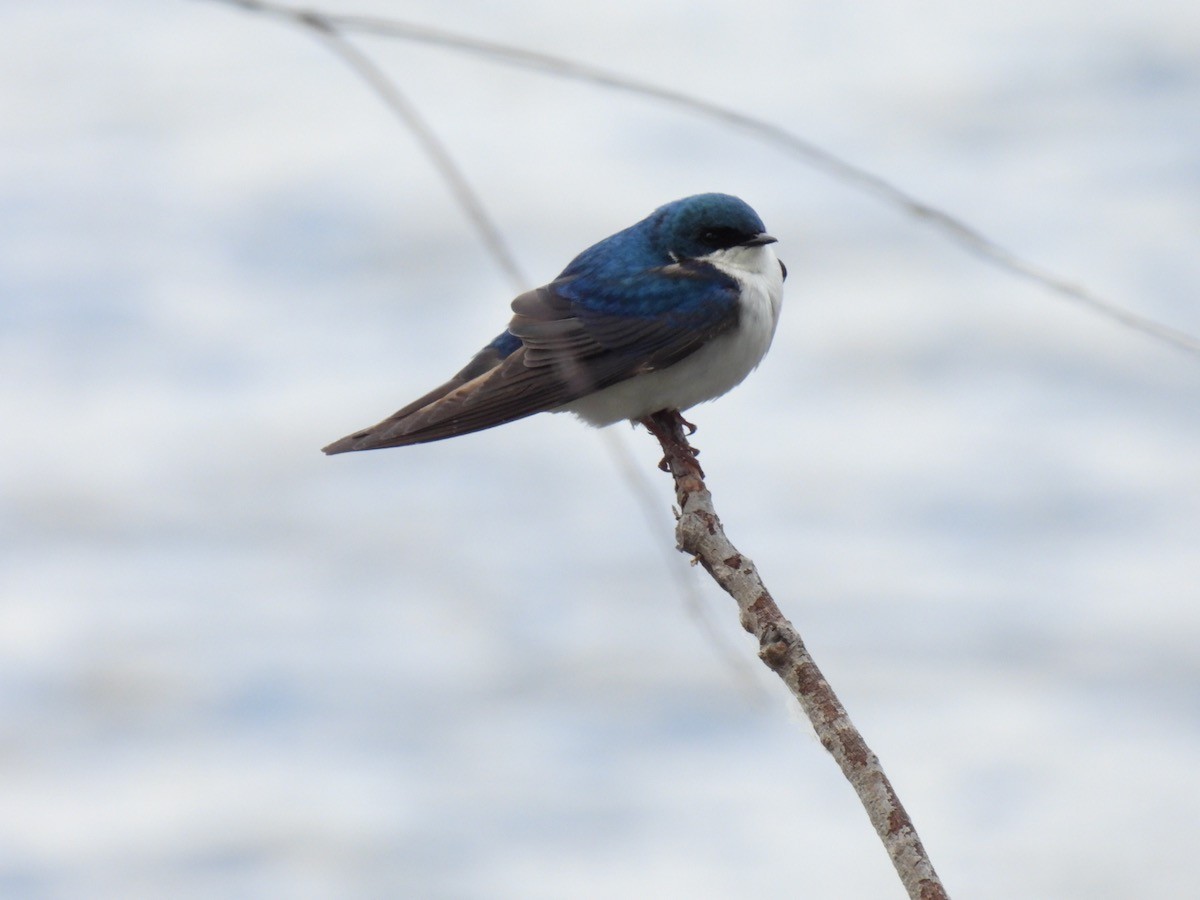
(575, 339)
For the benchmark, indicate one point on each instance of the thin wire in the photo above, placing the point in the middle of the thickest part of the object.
(949, 225)
(685, 581)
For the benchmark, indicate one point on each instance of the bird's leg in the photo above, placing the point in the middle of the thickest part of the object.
(667, 426)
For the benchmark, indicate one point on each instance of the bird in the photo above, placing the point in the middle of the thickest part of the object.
(670, 312)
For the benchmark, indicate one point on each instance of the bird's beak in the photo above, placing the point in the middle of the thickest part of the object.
(759, 239)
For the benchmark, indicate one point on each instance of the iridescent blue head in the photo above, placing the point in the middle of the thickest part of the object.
(690, 228)
(699, 225)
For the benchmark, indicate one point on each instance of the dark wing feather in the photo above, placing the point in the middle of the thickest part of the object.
(378, 435)
(568, 350)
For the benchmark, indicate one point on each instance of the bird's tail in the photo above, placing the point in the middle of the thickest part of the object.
(432, 417)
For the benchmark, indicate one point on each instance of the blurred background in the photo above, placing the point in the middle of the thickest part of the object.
(232, 667)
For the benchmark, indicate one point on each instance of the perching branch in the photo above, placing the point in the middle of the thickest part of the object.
(700, 534)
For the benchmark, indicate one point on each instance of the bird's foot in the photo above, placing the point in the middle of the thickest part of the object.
(667, 425)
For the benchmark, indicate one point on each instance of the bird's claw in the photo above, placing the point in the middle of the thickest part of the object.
(662, 425)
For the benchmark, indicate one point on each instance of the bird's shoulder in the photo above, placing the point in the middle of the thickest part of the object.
(687, 288)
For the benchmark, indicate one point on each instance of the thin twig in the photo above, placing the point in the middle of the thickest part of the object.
(842, 170)
(701, 535)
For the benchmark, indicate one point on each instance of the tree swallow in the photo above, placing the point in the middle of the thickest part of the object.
(670, 312)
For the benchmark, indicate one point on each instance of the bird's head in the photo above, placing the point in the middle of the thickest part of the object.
(716, 228)
(699, 226)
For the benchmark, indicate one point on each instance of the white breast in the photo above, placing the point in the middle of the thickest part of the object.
(716, 367)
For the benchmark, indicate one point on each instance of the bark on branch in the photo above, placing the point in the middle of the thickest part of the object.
(699, 534)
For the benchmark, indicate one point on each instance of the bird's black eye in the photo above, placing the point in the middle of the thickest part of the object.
(721, 238)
